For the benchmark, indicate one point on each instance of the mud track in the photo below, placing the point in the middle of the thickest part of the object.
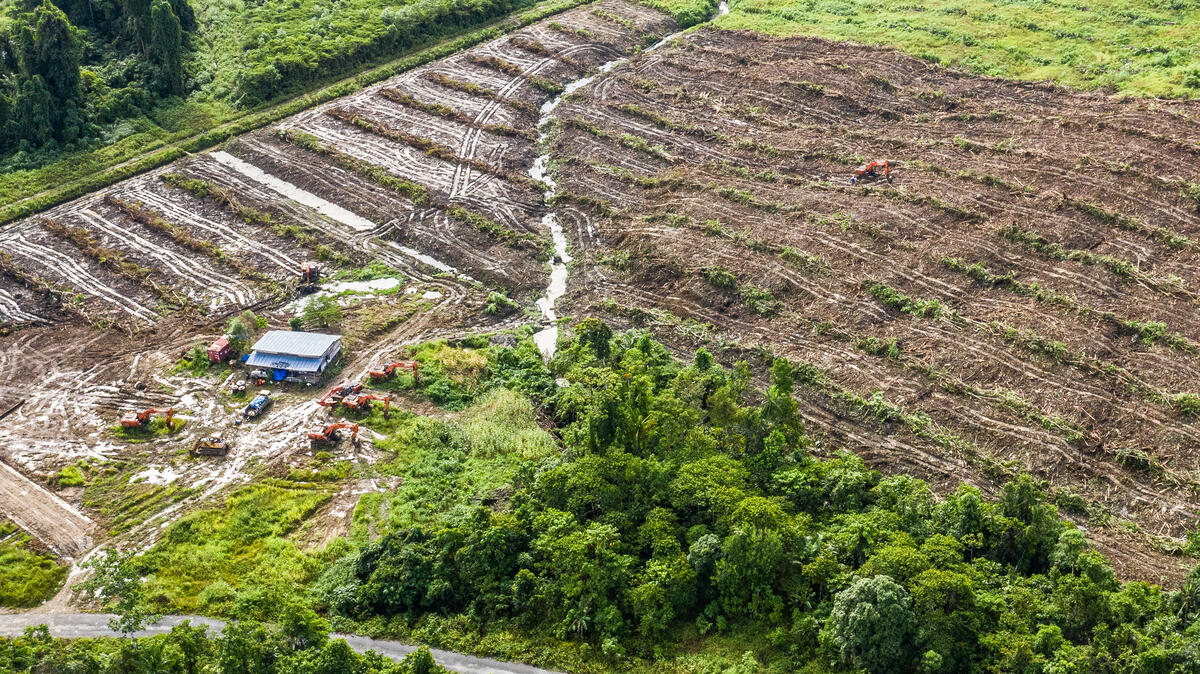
(1054, 231)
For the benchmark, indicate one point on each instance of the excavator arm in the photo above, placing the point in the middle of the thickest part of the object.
(330, 397)
(329, 433)
(386, 371)
(142, 419)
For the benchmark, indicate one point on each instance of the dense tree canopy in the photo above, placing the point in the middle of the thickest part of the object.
(680, 505)
(45, 92)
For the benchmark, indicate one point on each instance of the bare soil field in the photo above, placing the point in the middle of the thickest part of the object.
(1022, 297)
(425, 173)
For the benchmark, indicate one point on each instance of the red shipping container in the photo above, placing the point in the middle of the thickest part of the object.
(219, 350)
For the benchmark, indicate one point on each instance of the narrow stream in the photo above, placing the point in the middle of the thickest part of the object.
(547, 338)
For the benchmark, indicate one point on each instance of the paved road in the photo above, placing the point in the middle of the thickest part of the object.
(74, 625)
(43, 514)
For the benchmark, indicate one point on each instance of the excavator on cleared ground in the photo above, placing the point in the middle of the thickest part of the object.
(142, 419)
(329, 434)
(337, 393)
(310, 277)
(362, 402)
(870, 172)
(386, 371)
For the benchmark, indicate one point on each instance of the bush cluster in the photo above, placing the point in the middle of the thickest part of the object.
(679, 505)
(285, 60)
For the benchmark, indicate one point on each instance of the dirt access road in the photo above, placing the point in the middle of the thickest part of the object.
(50, 519)
(92, 625)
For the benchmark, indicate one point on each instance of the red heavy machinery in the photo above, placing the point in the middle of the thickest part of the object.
(386, 371)
(870, 171)
(362, 402)
(329, 434)
(142, 419)
(335, 394)
(310, 277)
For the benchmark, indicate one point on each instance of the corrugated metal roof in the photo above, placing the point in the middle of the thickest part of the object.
(277, 361)
(302, 344)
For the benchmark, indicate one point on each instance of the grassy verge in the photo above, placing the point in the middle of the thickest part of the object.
(235, 560)
(123, 500)
(1136, 47)
(27, 577)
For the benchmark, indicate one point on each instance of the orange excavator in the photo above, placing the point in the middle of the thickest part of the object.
(329, 434)
(335, 394)
(362, 402)
(310, 277)
(142, 419)
(870, 171)
(386, 371)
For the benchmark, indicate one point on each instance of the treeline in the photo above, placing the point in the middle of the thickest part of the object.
(299, 645)
(680, 507)
(136, 50)
(286, 61)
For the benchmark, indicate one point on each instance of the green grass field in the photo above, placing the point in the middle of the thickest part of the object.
(1134, 47)
(29, 577)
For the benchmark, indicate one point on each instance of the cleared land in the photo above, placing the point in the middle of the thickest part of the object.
(1021, 298)
(422, 178)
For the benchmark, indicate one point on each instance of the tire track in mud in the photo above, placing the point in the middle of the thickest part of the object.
(10, 310)
(171, 210)
(78, 277)
(201, 277)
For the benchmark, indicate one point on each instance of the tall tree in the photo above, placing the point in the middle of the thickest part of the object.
(872, 625)
(137, 16)
(165, 50)
(117, 584)
(31, 120)
(50, 51)
(187, 17)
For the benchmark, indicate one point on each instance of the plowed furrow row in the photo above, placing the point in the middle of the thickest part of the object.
(171, 209)
(79, 278)
(199, 278)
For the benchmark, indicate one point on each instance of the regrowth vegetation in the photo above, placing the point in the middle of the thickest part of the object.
(1142, 47)
(30, 576)
(682, 507)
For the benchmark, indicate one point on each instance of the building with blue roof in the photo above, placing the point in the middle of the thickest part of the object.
(295, 356)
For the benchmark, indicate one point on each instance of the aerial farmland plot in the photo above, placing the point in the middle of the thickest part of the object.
(426, 173)
(1019, 297)
(932, 287)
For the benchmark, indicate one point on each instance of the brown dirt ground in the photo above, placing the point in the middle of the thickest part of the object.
(734, 151)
